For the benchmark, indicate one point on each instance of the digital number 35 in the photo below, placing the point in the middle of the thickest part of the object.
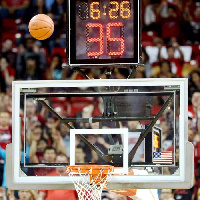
(109, 39)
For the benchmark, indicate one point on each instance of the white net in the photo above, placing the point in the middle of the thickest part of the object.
(89, 189)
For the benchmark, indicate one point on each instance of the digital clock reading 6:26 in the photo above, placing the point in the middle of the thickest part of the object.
(114, 11)
(104, 31)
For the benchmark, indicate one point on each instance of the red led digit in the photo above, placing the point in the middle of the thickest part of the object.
(89, 29)
(120, 49)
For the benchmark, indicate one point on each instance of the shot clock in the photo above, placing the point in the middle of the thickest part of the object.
(104, 32)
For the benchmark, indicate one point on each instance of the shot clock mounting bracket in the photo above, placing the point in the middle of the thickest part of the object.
(104, 33)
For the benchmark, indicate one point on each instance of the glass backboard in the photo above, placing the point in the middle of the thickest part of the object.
(138, 126)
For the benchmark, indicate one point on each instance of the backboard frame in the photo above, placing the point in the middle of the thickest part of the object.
(16, 179)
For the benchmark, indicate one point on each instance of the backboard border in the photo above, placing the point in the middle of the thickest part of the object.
(183, 180)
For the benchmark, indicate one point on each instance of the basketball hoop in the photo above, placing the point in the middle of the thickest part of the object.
(98, 177)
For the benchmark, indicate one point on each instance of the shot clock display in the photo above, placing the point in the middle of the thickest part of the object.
(104, 32)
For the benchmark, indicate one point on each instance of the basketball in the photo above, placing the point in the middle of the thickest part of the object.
(41, 26)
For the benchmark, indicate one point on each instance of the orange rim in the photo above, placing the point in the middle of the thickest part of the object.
(97, 173)
(95, 168)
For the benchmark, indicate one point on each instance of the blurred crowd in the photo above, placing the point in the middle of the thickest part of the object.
(170, 49)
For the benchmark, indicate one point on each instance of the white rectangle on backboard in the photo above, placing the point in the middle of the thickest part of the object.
(124, 132)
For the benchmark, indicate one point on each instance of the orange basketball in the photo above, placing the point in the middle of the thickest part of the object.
(41, 26)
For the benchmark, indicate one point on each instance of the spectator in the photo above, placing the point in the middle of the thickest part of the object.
(6, 102)
(64, 130)
(196, 108)
(56, 72)
(192, 28)
(7, 71)
(3, 193)
(165, 70)
(166, 194)
(196, 25)
(79, 154)
(145, 61)
(10, 194)
(176, 63)
(5, 129)
(170, 25)
(144, 5)
(6, 51)
(59, 39)
(57, 9)
(39, 8)
(41, 145)
(194, 83)
(58, 143)
(59, 194)
(37, 145)
(27, 195)
(150, 14)
(14, 8)
(32, 71)
(49, 157)
(151, 17)
(30, 50)
(33, 118)
(50, 122)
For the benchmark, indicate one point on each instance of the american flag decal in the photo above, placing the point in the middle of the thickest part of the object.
(162, 157)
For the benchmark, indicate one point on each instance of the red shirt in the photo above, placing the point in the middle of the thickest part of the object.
(177, 63)
(170, 27)
(13, 3)
(43, 171)
(40, 156)
(59, 194)
(5, 137)
(11, 71)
